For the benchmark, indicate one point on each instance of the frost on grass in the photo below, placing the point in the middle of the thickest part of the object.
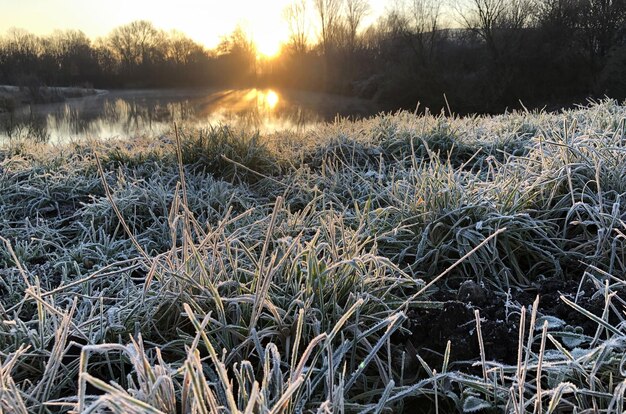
(220, 271)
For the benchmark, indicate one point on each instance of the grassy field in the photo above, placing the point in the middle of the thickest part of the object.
(401, 263)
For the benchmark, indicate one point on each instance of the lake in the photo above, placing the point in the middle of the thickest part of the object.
(124, 113)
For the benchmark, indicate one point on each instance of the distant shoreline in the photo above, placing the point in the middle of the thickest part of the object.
(12, 97)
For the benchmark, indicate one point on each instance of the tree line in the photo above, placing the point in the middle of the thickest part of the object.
(475, 55)
(133, 55)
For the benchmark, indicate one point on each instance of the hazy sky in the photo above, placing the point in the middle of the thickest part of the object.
(203, 20)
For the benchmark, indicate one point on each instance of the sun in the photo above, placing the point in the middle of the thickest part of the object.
(267, 44)
(268, 31)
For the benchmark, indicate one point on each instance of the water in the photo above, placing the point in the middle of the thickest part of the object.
(136, 112)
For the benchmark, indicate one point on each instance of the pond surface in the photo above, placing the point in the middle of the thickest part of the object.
(134, 112)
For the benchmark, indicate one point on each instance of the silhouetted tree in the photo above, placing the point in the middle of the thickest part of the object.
(22, 51)
(296, 16)
(237, 58)
(71, 55)
(419, 23)
(603, 18)
(181, 50)
(328, 12)
(493, 20)
(137, 43)
(355, 11)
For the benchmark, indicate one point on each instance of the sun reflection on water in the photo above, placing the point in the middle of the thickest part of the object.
(266, 100)
(271, 98)
(153, 112)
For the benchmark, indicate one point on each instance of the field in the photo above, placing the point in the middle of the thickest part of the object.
(402, 263)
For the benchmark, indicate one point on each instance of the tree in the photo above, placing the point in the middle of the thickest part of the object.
(585, 30)
(421, 24)
(295, 15)
(181, 50)
(237, 43)
(603, 19)
(237, 57)
(137, 43)
(490, 18)
(355, 11)
(19, 41)
(22, 52)
(71, 54)
(328, 12)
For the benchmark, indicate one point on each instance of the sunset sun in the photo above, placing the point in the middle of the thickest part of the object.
(268, 31)
(267, 45)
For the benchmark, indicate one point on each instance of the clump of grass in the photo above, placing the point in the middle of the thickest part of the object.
(228, 153)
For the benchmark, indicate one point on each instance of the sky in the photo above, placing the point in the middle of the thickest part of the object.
(205, 21)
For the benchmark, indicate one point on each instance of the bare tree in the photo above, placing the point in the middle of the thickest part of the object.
(67, 42)
(395, 23)
(239, 51)
(136, 43)
(295, 15)
(355, 11)
(22, 54)
(487, 17)
(182, 50)
(424, 19)
(19, 41)
(425, 15)
(482, 17)
(328, 12)
(71, 54)
(237, 43)
(592, 23)
(558, 14)
(603, 19)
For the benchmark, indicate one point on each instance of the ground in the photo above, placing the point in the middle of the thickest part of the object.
(320, 271)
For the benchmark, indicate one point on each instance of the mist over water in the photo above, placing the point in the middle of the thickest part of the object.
(130, 113)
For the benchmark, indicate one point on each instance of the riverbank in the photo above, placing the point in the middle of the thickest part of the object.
(11, 97)
(402, 263)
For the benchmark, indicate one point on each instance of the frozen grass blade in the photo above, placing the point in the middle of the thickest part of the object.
(233, 272)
